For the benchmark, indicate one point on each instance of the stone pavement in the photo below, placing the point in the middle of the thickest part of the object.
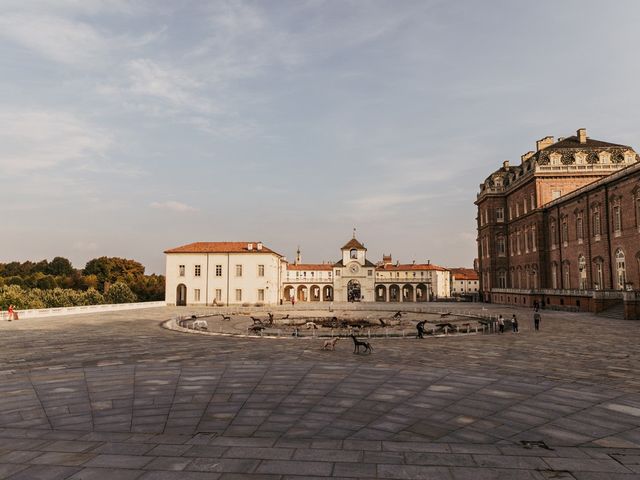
(116, 396)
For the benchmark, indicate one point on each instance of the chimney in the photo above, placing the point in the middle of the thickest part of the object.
(259, 245)
(526, 156)
(582, 135)
(544, 143)
(414, 262)
(428, 262)
(250, 246)
(505, 164)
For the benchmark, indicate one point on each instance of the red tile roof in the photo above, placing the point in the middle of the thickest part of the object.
(353, 243)
(310, 266)
(221, 247)
(411, 266)
(464, 274)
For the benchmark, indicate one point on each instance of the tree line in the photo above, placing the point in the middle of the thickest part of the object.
(55, 283)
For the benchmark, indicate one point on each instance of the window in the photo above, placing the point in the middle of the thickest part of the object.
(502, 279)
(238, 294)
(238, 270)
(524, 205)
(196, 294)
(500, 246)
(511, 250)
(582, 269)
(579, 228)
(517, 209)
(526, 239)
(370, 273)
(621, 271)
(218, 295)
(617, 220)
(499, 214)
(553, 234)
(261, 270)
(533, 202)
(218, 270)
(567, 276)
(181, 270)
(261, 295)
(518, 241)
(554, 275)
(565, 232)
(510, 213)
(337, 273)
(599, 276)
(353, 253)
(196, 271)
(596, 223)
(533, 238)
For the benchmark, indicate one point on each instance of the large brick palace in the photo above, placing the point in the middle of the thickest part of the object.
(563, 227)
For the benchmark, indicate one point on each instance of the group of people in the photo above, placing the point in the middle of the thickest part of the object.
(11, 313)
(514, 322)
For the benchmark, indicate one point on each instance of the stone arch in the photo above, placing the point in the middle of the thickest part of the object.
(327, 293)
(422, 293)
(302, 295)
(315, 293)
(289, 292)
(381, 293)
(394, 293)
(181, 295)
(354, 291)
(407, 293)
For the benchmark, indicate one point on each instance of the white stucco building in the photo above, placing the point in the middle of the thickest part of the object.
(225, 273)
(236, 273)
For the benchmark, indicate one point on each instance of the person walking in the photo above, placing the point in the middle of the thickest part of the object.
(536, 321)
(420, 327)
(10, 313)
(500, 323)
(514, 323)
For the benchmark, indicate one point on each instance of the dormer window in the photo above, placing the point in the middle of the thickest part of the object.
(353, 253)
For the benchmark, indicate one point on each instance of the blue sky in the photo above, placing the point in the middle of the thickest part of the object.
(127, 128)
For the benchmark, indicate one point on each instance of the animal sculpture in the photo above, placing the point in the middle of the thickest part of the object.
(330, 344)
(360, 343)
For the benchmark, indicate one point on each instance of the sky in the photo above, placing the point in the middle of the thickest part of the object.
(131, 127)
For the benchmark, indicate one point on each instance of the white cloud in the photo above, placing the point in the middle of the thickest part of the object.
(173, 206)
(55, 38)
(42, 139)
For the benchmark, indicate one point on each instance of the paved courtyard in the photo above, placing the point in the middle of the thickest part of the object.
(115, 395)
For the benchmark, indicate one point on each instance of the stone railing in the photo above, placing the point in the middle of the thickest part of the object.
(57, 311)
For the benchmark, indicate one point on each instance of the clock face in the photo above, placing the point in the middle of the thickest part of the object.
(353, 268)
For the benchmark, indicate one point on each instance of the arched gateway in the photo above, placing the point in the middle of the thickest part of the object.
(353, 291)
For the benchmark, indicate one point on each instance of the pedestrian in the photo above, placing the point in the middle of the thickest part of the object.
(501, 323)
(536, 321)
(10, 313)
(536, 306)
(293, 301)
(420, 328)
(514, 323)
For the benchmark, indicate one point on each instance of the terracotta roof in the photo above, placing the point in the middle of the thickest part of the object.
(411, 266)
(310, 266)
(367, 263)
(220, 247)
(464, 273)
(353, 243)
(574, 142)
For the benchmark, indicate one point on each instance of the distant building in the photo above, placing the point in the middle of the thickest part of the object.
(227, 273)
(464, 282)
(563, 227)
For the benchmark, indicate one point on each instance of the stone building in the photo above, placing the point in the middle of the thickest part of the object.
(464, 282)
(563, 227)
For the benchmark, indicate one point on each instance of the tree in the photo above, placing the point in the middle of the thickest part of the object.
(92, 297)
(60, 266)
(113, 269)
(120, 292)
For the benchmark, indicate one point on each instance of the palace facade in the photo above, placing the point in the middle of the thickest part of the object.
(228, 273)
(563, 227)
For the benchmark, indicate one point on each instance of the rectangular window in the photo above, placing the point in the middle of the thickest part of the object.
(196, 271)
(517, 209)
(196, 294)
(533, 203)
(499, 214)
(579, 229)
(261, 270)
(181, 270)
(617, 219)
(565, 233)
(261, 295)
(218, 270)
(596, 224)
(370, 273)
(337, 273)
(238, 270)
(238, 294)
(510, 215)
(533, 238)
(218, 295)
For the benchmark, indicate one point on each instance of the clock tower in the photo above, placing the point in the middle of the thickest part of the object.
(354, 275)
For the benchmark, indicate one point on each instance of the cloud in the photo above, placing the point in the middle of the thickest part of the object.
(43, 139)
(56, 38)
(173, 206)
(85, 246)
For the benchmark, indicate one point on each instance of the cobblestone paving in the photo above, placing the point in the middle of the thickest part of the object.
(117, 396)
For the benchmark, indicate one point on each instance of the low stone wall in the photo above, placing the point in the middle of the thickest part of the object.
(53, 312)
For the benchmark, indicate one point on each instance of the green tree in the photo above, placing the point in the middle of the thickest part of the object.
(109, 270)
(92, 297)
(13, 295)
(60, 267)
(120, 292)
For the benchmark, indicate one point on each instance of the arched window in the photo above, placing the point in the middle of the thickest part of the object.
(599, 280)
(353, 253)
(567, 276)
(621, 274)
(582, 269)
(579, 228)
(596, 223)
